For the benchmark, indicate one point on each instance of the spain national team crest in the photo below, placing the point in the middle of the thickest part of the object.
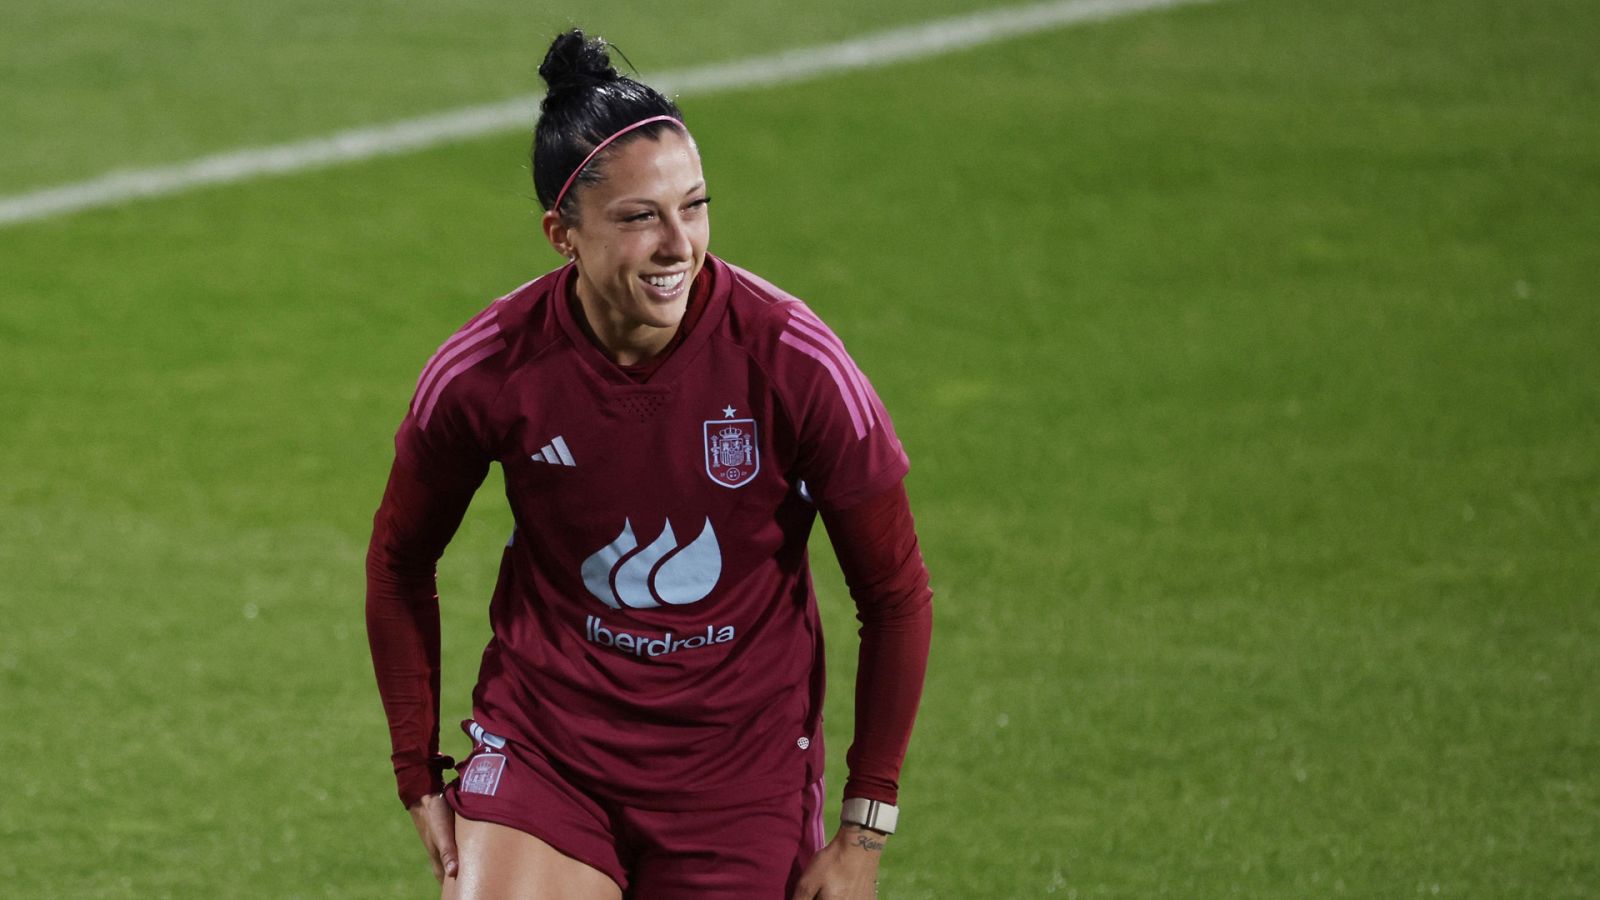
(733, 456)
(482, 775)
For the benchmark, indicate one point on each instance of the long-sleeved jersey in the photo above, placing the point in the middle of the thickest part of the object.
(655, 632)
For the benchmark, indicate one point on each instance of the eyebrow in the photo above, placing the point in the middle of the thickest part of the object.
(648, 201)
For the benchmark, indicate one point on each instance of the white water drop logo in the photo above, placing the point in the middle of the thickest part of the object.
(662, 572)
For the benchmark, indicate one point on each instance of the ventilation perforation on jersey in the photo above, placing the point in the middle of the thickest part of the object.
(644, 407)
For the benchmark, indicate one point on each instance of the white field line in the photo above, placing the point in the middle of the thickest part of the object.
(877, 49)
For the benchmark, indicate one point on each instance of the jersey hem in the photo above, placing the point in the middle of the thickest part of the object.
(720, 797)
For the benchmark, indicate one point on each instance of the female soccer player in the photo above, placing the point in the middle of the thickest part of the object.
(648, 715)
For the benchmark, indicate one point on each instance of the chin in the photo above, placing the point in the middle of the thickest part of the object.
(662, 315)
(670, 317)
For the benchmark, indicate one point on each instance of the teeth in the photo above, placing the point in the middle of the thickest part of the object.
(665, 281)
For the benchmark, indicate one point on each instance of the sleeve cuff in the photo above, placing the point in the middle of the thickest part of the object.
(420, 780)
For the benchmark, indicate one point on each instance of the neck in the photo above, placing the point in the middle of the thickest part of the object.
(627, 342)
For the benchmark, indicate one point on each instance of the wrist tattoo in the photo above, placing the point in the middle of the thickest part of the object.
(869, 844)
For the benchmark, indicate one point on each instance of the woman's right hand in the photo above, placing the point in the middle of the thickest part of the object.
(436, 825)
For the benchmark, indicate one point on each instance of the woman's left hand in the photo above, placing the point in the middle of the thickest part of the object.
(846, 869)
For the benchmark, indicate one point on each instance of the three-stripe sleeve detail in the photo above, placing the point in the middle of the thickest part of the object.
(806, 333)
(478, 340)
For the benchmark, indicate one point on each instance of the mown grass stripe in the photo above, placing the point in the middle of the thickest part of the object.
(877, 49)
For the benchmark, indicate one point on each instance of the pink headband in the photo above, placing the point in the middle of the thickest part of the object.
(604, 144)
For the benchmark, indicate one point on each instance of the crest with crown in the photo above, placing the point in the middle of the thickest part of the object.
(732, 457)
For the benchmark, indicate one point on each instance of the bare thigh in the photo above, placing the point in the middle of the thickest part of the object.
(500, 863)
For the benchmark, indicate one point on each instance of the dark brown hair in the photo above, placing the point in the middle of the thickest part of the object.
(587, 101)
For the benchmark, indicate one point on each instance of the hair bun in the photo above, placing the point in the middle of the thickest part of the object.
(576, 61)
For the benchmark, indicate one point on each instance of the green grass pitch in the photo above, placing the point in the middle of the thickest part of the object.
(1248, 355)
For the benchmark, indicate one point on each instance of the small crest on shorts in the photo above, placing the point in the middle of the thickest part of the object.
(733, 456)
(483, 774)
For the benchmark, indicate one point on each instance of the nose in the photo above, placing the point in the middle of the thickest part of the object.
(675, 243)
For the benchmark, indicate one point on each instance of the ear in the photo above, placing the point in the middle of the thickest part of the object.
(558, 234)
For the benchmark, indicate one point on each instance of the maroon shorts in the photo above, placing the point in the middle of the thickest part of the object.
(756, 850)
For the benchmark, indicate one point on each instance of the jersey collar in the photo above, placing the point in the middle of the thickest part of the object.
(679, 356)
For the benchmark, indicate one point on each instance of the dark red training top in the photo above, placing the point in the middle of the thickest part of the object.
(655, 632)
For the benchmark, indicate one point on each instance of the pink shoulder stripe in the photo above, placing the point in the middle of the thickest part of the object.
(863, 391)
(463, 333)
(453, 349)
(839, 380)
(472, 343)
(482, 353)
(469, 331)
(819, 334)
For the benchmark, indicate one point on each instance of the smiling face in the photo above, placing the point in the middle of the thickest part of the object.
(639, 241)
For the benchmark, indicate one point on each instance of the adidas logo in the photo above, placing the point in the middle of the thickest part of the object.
(555, 453)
